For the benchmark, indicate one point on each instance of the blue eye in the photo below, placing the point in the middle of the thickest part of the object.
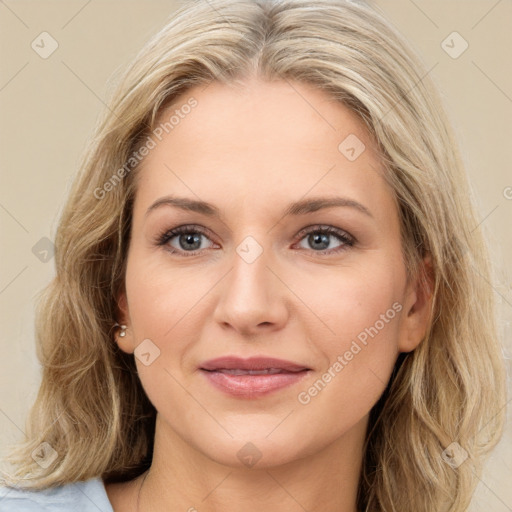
(189, 239)
(319, 237)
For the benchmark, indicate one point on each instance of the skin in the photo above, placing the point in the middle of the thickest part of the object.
(251, 150)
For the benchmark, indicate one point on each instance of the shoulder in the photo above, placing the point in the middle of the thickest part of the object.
(87, 496)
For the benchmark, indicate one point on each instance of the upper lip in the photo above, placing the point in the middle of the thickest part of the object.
(251, 363)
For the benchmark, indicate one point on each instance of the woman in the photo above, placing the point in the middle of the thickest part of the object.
(199, 351)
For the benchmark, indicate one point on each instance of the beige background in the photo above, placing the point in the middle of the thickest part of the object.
(48, 108)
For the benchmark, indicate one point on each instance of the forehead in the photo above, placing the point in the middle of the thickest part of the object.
(263, 141)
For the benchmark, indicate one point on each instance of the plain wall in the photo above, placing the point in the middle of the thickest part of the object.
(48, 108)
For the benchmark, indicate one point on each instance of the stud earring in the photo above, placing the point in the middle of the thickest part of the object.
(122, 334)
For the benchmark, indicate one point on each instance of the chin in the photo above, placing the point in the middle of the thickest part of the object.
(255, 453)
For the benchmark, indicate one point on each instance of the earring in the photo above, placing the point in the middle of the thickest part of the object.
(122, 334)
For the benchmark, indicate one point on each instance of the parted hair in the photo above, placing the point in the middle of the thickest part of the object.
(444, 399)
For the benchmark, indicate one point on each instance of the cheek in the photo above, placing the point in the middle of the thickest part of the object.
(159, 297)
(165, 308)
(361, 305)
(359, 363)
(363, 313)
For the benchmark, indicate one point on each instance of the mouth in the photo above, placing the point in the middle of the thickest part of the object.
(253, 377)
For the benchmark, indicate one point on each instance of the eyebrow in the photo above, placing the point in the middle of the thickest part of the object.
(301, 207)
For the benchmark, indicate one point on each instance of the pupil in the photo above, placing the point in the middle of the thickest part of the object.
(191, 239)
(320, 238)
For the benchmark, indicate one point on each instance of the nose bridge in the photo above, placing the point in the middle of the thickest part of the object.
(251, 295)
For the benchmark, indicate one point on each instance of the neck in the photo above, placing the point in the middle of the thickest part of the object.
(184, 479)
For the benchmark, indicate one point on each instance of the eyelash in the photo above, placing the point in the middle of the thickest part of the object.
(347, 240)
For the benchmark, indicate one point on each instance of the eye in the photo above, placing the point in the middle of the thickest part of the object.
(320, 237)
(188, 239)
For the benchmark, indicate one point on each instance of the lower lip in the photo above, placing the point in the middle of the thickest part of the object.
(253, 386)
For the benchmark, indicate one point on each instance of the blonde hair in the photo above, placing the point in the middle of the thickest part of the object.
(91, 407)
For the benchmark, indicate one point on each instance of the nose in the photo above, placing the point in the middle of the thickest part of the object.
(252, 299)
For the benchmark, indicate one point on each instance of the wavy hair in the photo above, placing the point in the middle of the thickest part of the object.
(445, 395)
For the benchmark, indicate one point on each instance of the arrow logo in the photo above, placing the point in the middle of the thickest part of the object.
(43, 249)
(44, 455)
(351, 147)
(249, 249)
(249, 455)
(44, 45)
(146, 352)
(454, 45)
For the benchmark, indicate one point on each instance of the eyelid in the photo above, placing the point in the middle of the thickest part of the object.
(325, 228)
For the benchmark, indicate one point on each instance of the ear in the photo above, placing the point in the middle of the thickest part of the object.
(125, 343)
(417, 310)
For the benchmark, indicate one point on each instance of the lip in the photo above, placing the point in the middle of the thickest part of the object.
(251, 363)
(237, 376)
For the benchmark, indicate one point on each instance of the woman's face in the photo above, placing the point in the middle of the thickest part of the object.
(256, 274)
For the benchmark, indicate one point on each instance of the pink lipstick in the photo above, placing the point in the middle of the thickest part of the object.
(252, 377)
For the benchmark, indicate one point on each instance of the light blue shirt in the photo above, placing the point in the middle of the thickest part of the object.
(88, 496)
